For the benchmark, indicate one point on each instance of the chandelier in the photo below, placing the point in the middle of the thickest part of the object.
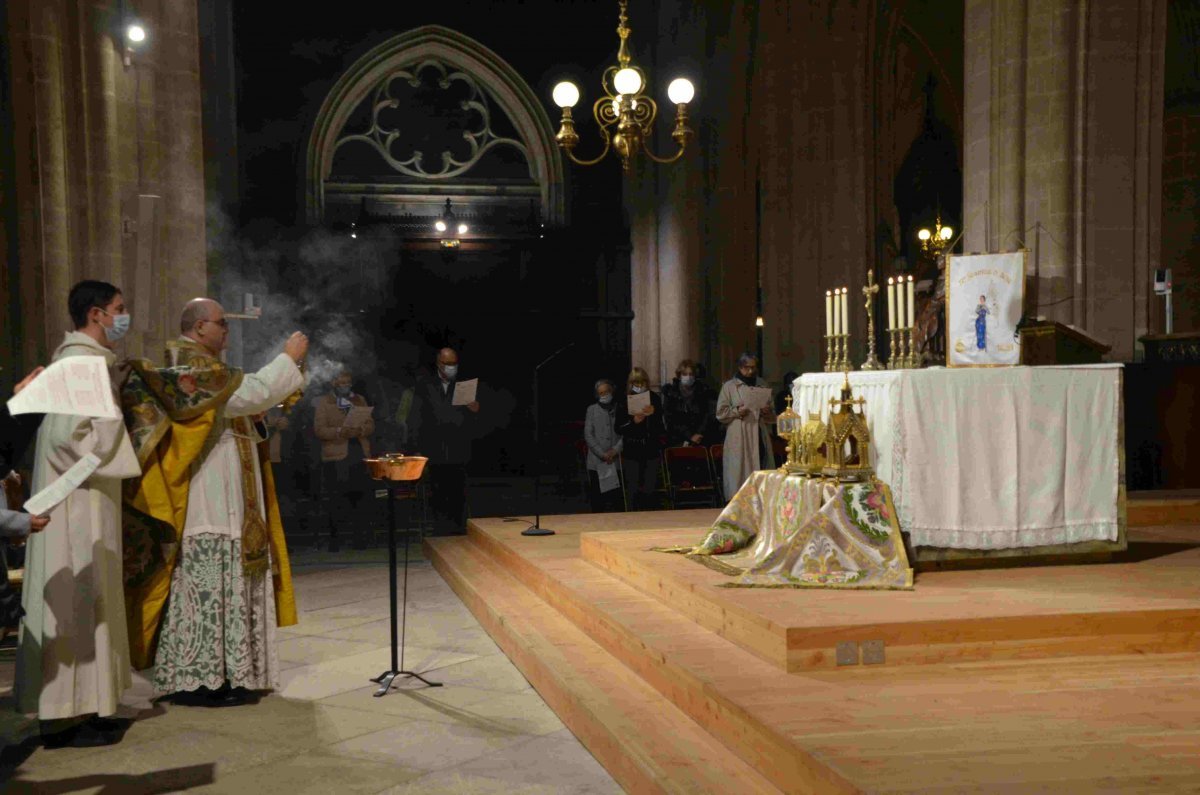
(624, 114)
(449, 226)
(933, 241)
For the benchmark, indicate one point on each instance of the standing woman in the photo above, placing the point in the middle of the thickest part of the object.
(747, 435)
(604, 446)
(643, 433)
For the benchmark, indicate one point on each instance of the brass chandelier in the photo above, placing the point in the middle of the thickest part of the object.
(624, 108)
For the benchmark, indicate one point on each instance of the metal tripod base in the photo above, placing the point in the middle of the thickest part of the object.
(537, 531)
(387, 678)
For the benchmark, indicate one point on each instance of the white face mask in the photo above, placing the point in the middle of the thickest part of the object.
(687, 380)
(637, 390)
(605, 400)
(119, 328)
(450, 370)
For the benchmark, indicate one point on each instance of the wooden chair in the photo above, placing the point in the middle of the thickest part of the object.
(688, 476)
(716, 456)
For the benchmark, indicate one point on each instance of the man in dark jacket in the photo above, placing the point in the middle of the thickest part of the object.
(445, 433)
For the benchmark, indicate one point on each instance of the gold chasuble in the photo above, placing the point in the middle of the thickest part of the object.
(171, 412)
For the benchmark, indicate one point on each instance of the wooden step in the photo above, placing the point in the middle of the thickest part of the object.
(1153, 508)
(575, 588)
(1076, 724)
(1137, 607)
(639, 736)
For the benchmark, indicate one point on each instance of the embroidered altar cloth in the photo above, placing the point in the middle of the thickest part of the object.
(788, 531)
(991, 458)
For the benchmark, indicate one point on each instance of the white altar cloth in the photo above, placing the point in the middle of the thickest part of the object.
(991, 458)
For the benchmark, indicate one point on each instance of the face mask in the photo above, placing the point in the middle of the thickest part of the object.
(605, 400)
(119, 328)
(450, 370)
(341, 391)
(748, 380)
(637, 390)
(687, 380)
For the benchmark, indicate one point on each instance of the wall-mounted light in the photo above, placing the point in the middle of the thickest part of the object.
(134, 38)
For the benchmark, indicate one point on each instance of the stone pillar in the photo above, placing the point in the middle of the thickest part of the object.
(765, 124)
(109, 180)
(1062, 138)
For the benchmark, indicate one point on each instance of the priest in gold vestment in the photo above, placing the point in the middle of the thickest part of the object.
(206, 570)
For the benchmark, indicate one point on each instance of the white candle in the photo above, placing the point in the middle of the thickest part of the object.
(911, 315)
(837, 313)
(900, 302)
(829, 313)
(891, 303)
(845, 311)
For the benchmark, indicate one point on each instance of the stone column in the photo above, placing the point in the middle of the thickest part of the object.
(1062, 138)
(109, 178)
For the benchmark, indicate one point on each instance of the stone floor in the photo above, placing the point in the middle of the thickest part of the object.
(485, 731)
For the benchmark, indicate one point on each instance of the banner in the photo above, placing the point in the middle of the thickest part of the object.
(984, 297)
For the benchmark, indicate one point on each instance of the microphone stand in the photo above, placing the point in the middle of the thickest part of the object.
(536, 528)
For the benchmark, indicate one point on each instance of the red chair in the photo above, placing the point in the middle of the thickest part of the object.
(716, 456)
(688, 476)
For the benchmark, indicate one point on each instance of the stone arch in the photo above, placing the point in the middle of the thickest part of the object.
(503, 84)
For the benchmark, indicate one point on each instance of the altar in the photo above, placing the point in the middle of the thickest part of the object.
(993, 462)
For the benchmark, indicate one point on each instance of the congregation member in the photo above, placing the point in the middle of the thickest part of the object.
(73, 656)
(643, 433)
(16, 434)
(688, 408)
(747, 433)
(345, 442)
(205, 614)
(604, 446)
(445, 435)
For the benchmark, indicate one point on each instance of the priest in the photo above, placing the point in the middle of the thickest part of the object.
(73, 660)
(206, 570)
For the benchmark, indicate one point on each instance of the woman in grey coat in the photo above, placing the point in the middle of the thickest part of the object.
(604, 449)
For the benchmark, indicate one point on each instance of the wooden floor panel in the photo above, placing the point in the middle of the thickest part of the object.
(1077, 724)
(1148, 604)
(644, 741)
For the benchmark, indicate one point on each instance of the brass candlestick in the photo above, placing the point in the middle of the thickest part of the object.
(844, 356)
(829, 353)
(871, 288)
(893, 363)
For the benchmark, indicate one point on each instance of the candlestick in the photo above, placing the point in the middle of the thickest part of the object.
(828, 312)
(891, 303)
(912, 317)
(837, 314)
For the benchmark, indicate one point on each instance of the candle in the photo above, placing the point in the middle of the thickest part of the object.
(900, 302)
(891, 303)
(845, 311)
(911, 315)
(829, 313)
(837, 313)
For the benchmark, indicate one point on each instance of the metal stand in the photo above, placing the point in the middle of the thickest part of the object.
(536, 528)
(385, 679)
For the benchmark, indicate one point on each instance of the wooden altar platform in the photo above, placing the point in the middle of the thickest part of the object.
(1073, 678)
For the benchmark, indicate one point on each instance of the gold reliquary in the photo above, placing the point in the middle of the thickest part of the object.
(840, 448)
(848, 441)
(805, 442)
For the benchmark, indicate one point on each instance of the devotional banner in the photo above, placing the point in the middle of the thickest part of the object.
(984, 295)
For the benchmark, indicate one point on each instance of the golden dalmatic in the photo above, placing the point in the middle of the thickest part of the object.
(201, 526)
